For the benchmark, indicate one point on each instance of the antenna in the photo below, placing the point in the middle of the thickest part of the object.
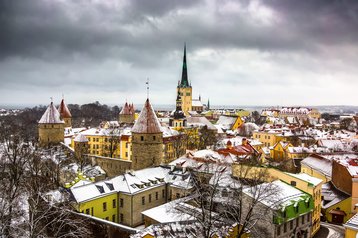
(147, 83)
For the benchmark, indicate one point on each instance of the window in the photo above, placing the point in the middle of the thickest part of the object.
(104, 206)
(107, 218)
(126, 154)
(121, 202)
(121, 217)
(114, 203)
(142, 217)
(150, 198)
(142, 138)
(163, 193)
(156, 195)
(143, 200)
(278, 230)
(177, 195)
(153, 137)
(303, 219)
(92, 211)
(87, 211)
(114, 218)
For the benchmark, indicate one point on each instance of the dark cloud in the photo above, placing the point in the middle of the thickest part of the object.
(113, 46)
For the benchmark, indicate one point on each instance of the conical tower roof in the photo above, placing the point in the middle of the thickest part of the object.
(147, 121)
(125, 110)
(63, 109)
(51, 116)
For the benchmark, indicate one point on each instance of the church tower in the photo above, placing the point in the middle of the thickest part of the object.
(51, 127)
(178, 120)
(65, 114)
(147, 139)
(184, 88)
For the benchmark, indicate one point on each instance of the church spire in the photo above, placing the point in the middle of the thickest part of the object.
(184, 83)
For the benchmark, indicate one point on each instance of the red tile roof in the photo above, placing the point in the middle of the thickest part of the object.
(147, 121)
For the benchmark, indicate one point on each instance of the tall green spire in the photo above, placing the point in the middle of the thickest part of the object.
(184, 83)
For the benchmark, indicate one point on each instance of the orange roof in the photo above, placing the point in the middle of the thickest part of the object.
(63, 109)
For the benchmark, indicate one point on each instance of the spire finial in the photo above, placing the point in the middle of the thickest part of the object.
(63, 96)
(51, 99)
(147, 83)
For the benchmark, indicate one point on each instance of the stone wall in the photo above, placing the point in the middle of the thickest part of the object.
(50, 134)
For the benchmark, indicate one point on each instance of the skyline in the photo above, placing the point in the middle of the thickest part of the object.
(254, 53)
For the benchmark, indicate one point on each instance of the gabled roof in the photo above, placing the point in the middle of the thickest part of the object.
(51, 116)
(147, 121)
(63, 109)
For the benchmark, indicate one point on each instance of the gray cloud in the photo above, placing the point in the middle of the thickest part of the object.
(104, 47)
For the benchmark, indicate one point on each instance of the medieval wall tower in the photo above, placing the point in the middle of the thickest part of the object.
(147, 139)
(65, 114)
(51, 127)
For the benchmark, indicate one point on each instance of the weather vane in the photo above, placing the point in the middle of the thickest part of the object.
(51, 99)
(147, 83)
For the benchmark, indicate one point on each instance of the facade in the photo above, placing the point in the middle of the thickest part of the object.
(317, 166)
(352, 227)
(122, 199)
(147, 139)
(287, 212)
(51, 127)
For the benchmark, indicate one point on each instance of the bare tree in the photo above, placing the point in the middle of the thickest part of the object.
(112, 142)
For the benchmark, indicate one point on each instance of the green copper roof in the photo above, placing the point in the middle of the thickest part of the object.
(184, 82)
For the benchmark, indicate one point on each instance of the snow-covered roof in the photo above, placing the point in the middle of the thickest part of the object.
(276, 194)
(307, 178)
(319, 164)
(81, 138)
(51, 116)
(196, 103)
(167, 213)
(133, 182)
(331, 195)
(147, 121)
(352, 223)
(200, 122)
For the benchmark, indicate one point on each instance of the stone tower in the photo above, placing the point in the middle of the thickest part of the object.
(147, 139)
(65, 114)
(184, 88)
(51, 127)
(127, 114)
(178, 120)
(81, 147)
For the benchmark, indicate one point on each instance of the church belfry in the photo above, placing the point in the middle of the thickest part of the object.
(184, 88)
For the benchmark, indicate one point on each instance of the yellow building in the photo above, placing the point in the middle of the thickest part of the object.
(318, 167)
(184, 88)
(304, 182)
(51, 127)
(268, 138)
(279, 151)
(122, 199)
(352, 227)
(103, 142)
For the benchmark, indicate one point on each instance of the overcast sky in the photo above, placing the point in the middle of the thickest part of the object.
(268, 52)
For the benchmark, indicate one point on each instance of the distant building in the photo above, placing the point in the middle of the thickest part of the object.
(127, 114)
(65, 114)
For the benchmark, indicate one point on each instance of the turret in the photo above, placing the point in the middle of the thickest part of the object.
(51, 127)
(127, 114)
(65, 114)
(147, 139)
